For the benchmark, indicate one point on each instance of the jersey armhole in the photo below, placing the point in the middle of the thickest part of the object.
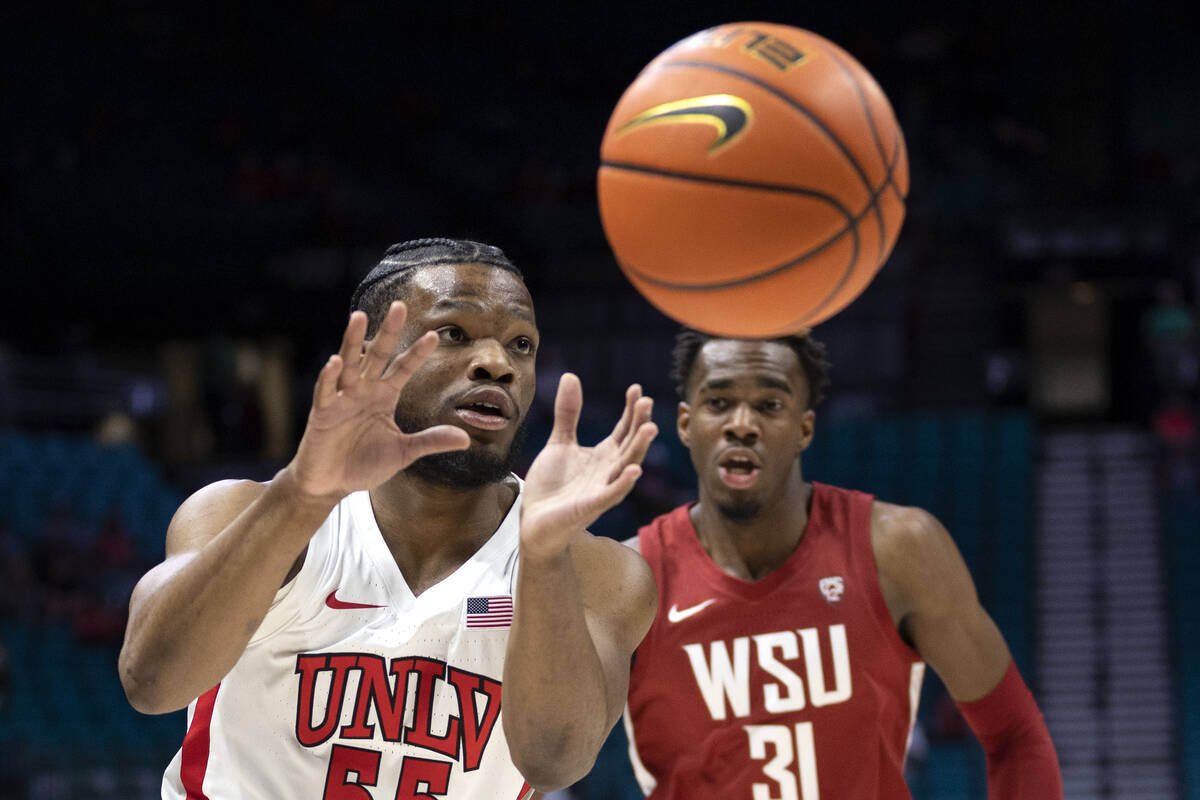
(865, 552)
(293, 596)
(281, 613)
(650, 547)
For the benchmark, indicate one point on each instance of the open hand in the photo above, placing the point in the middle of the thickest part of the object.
(352, 441)
(569, 486)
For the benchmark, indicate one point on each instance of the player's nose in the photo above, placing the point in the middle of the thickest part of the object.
(490, 362)
(742, 425)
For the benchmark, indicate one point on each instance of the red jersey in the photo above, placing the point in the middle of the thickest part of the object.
(793, 687)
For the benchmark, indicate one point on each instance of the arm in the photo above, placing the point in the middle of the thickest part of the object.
(233, 544)
(583, 603)
(933, 600)
(229, 548)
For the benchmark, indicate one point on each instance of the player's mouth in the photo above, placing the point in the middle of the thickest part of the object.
(739, 468)
(486, 408)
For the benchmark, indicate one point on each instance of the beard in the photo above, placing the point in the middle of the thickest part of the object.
(460, 469)
(739, 510)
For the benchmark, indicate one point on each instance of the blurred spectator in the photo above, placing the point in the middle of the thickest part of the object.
(188, 435)
(227, 398)
(117, 428)
(60, 564)
(116, 568)
(83, 577)
(1169, 330)
(231, 397)
(1175, 429)
(114, 548)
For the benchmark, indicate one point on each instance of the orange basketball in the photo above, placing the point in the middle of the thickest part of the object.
(752, 180)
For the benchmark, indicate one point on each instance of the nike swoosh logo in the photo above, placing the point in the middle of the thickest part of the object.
(333, 602)
(727, 113)
(676, 614)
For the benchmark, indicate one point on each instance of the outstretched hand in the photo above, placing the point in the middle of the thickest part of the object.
(569, 486)
(352, 441)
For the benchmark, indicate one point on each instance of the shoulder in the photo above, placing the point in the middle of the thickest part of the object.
(208, 511)
(901, 530)
(610, 564)
(658, 530)
(917, 560)
(617, 583)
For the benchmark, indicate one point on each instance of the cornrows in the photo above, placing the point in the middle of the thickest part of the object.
(382, 284)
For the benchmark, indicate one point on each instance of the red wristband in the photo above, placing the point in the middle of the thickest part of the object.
(1020, 756)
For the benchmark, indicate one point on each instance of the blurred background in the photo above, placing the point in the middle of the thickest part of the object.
(189, 191)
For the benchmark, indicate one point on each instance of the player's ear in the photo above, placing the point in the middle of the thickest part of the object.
(683, 416)
(807, 428)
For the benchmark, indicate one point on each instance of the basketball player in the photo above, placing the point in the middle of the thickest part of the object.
(349, 629)
(796, 618)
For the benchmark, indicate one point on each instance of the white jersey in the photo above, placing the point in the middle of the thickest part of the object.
(354, 689)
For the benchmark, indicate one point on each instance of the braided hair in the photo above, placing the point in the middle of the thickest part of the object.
(383, 284)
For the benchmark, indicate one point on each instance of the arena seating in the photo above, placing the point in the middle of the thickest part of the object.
(65, 705)
(972, 470)
(1181, 524)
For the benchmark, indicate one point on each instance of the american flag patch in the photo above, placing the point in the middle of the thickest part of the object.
(489, 612)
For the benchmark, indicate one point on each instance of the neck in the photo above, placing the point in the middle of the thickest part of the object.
(431, 530)
(753, 548)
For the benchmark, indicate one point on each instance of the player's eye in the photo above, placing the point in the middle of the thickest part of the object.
(452, 334)
(523, 344)
(770, 405)
(717, 403)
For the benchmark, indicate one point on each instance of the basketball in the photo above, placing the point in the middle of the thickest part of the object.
(752, 180)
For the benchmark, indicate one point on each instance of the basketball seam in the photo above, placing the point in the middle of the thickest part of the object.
(866, 107)
(735, 182)
(798, 106)
(853, 266)
(851, 227)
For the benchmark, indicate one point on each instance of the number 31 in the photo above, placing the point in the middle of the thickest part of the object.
(778, 768)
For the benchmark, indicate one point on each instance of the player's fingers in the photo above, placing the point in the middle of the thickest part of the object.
(567, 405)
(638, 445)
(404, 365)
(351, 349)
(438, 439)
(642, 410)
(621, 430)
(617, 489)
(640, 442)
(325, 392)
(382, 347)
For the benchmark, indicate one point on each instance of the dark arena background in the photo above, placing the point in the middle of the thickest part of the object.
(190, 191)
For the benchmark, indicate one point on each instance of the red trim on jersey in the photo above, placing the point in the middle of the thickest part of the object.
(526, 791)
(193, 763)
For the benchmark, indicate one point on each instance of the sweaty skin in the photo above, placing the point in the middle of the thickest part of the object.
(582, 603)
(748, 400)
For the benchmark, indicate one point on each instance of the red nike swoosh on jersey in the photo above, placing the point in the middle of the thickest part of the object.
(333, 602)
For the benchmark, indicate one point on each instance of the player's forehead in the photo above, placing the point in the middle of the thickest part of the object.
(747, 362)
(470, 288)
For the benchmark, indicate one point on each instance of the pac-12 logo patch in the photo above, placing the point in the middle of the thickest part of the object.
(833, 588)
